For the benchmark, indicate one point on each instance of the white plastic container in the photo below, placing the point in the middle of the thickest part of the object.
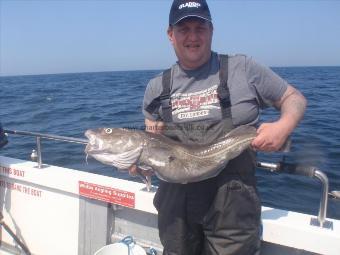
(126, 247)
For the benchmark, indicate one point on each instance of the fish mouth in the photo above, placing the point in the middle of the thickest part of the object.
(94, 144)
(95, 149)
(90, 135)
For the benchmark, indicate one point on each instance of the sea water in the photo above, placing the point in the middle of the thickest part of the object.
(68, 104)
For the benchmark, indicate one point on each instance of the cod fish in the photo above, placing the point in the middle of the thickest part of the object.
(170, 160)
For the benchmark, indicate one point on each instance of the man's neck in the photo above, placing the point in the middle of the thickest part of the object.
(194, 67)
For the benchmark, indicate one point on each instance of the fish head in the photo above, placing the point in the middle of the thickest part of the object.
(114, 146)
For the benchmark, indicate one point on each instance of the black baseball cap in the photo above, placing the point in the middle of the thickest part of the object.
(182, 9)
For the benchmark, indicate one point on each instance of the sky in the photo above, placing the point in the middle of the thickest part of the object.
(68, 36)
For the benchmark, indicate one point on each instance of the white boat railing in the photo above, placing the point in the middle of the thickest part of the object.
(36, 154)
(309, 172)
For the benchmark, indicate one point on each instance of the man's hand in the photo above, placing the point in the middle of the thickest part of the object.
(135, 170)
(270, 137)
(155, 127)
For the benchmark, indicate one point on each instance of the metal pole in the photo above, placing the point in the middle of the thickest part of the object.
(39, 151)
(48, 136)
(324, 197)
(273, 167)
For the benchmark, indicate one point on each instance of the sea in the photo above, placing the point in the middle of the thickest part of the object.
(69, 104)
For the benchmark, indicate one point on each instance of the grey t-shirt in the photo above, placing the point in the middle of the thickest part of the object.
(194, 93)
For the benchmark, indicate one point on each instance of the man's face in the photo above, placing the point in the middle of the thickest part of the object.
(191, 39)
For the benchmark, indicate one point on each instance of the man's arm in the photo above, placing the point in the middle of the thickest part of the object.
(271, 136)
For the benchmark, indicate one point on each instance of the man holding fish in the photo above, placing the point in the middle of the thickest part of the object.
(220, 215)
(202, 103)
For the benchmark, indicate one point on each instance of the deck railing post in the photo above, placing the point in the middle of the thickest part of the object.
(324, 198)
(38, 140)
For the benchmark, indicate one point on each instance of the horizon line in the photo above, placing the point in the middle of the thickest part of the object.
(138, 70)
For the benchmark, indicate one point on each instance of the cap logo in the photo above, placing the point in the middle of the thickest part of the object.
(189, 5)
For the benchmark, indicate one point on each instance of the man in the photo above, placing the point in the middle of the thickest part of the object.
(202, 97)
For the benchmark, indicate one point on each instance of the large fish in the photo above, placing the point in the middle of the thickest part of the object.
(170, 160)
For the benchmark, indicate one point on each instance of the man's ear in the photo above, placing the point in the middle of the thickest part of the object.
(170, 33)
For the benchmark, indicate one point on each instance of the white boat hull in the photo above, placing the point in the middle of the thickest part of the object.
(56, 211)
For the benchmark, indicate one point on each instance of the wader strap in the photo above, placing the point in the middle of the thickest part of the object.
(164, 99)
(223, 90)
(155, 103)
(165, 96)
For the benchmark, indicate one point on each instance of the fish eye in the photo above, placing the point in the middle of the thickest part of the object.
(108, 130)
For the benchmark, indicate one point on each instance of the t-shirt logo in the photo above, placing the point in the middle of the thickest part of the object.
(196, 104)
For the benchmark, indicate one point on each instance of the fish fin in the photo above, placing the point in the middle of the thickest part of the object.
(145, 167)
(160, 177)
(145, 178)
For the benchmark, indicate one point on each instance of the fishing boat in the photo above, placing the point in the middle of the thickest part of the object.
(52, 210)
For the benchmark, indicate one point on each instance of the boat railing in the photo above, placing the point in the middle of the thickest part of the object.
(282, 167)
(309, 171)
(36, 154)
